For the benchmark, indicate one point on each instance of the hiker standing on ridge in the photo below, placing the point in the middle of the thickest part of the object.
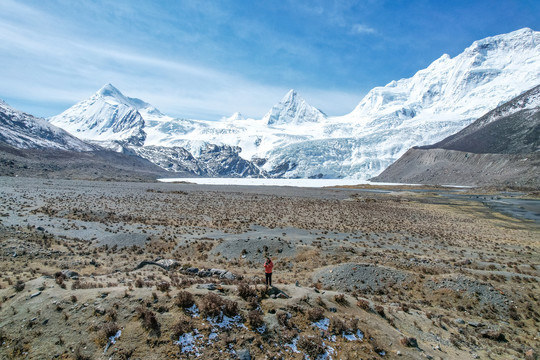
(268, 265)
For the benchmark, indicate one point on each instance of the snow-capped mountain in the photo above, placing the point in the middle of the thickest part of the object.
(25, 131)
(293, 110)
(107, 115)
(295, 139)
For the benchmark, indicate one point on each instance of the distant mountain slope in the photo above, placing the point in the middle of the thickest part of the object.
(31, 146)
(29, 132)
(500, 148)
(512, 128)
(65, 164)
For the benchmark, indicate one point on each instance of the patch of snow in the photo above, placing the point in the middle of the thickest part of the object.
(352, 337)
(189, 342)
(193, 311)
(261, 329)
(112, 340)
(293, 346)
(322, 324)
(225, 322)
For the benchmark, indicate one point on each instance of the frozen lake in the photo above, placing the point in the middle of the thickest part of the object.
(315, 183)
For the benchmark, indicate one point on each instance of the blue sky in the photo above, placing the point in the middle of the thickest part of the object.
(208, 59)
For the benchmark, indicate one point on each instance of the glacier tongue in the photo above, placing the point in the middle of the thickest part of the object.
(295, 139)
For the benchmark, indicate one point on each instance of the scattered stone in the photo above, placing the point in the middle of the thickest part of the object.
(45, 322)
(459, 321)
(204, 273)
(71, 274)
(35, 294)
(243, 354)
(99, 310)
(207, 286)
(475, 324)
(229, 276)
(168, 264)
(192, 270)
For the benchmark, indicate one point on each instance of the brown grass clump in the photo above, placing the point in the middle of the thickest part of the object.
(255, 319)
(363, 304)
(230, 308)
(246, 292)
(148, 317)
(315, 314)
(183, 326)
(340, 299)
(312, 346)
(380, 310)
(184, 299)
(211, 305)
(163, 286)
(19, 286)
(408, 342)
(214, 305)
(139, 283)
(283, 319)
(107, 330)
(337, 326)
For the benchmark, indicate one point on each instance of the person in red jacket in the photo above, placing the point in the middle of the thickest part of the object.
(268, 266)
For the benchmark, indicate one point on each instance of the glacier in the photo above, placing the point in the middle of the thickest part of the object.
(297, 140)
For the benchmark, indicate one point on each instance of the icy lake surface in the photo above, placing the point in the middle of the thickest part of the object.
(271, 182)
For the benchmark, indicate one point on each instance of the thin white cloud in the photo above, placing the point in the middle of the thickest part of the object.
(45, 62)
(362, 29)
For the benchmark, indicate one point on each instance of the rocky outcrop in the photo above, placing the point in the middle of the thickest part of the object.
(225, 161)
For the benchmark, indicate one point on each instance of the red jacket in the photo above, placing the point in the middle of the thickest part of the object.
(268, 266)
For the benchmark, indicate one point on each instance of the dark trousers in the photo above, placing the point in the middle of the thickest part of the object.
(269, 279)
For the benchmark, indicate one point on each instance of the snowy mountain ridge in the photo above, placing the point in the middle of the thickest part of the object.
(29, 132)
(295, 139)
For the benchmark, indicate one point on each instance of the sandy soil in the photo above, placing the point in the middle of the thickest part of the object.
(359, 273)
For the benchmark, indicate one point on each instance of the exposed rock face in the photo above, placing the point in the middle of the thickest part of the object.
(212, 160)
(500, 148)
(176, 159)
(225, 160)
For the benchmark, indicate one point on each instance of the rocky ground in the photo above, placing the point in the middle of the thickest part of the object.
(118, 270)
